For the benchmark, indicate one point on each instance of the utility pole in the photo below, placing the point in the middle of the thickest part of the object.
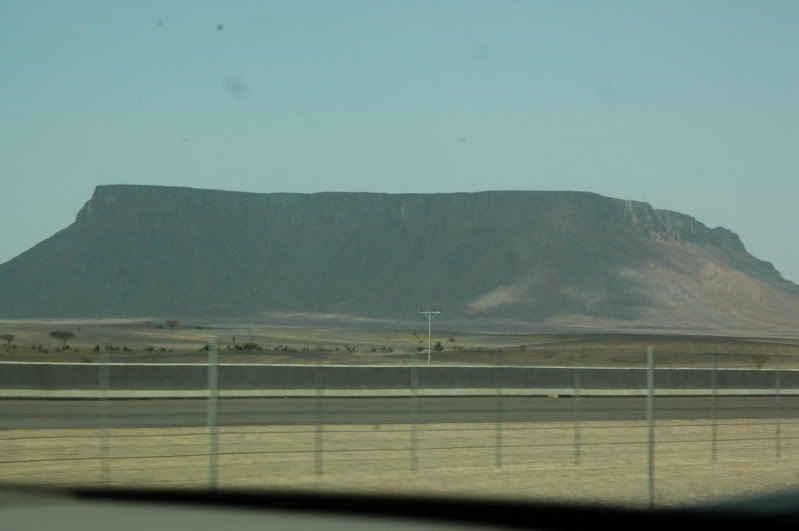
(430, 314)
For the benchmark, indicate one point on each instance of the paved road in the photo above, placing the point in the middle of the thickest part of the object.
(263, 411)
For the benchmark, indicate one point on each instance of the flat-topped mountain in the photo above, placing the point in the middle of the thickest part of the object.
(529, 257)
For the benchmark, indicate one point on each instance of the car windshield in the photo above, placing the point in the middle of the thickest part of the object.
(492, 249)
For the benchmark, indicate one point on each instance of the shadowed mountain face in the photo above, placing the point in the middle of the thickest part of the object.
(561, 257)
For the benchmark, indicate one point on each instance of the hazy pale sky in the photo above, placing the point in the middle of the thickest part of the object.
(690, 105)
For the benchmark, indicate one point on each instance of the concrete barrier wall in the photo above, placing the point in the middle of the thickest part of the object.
(46, 376)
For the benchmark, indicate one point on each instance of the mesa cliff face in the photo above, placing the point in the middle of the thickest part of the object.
(524, 256)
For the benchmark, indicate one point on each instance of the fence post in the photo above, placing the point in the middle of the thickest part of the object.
(414, 416)
(650, 415)
(499, 413)
(213, 395)
(715, 405)
(319, 453)
(105, 384)
(777, 412)
(576, 413)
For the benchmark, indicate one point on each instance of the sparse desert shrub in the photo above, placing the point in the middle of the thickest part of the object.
(8, 338)
(419, 349)
(760, 360)
(149, 349)
(249, 346)
(172, 323)
(437, 347)
(97, 348)
(62, 337)
(451, 340)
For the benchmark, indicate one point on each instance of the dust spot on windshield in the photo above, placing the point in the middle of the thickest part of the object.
(478, 53)
(236, 87)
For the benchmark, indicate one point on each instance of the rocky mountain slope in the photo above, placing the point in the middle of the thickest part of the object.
(526, 257)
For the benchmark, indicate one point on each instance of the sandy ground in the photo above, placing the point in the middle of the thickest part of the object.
(538, 460)
(132, 341)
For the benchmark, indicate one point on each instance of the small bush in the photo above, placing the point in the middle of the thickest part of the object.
(760, 360)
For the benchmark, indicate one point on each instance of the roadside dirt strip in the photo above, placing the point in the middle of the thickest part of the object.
(598, 461)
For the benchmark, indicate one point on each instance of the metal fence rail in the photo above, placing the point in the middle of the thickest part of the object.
(322, 446)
